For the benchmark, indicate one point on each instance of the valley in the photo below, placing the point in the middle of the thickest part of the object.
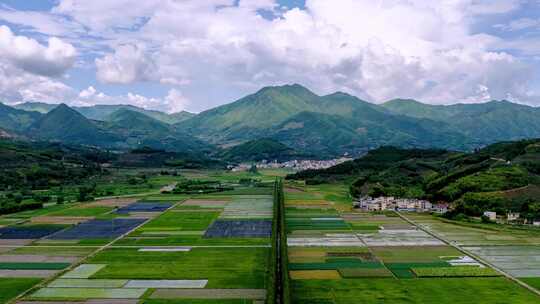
(223, 246)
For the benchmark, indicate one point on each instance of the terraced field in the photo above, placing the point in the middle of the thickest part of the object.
(158, 248)
(337, 255)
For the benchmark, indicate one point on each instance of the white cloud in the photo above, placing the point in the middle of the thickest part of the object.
(377, 50)
(89, 92)
(173, 102)
(29, 55)
(128, 64)
(19, 86)
(428, 50)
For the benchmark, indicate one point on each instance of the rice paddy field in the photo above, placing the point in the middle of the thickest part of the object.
(145, 248)
(217, 248)
(515, 251)
(339, 255)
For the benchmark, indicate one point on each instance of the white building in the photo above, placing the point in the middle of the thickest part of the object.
(368, 203)
(491, 215)
(512, 216)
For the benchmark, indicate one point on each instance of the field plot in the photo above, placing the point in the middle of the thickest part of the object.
(204, 249)
(145, 206)
(28, 232)
(98, 229)
(337, 255)
(517, 252)
(11, 287)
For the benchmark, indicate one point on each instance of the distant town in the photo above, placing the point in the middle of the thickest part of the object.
(295, 165)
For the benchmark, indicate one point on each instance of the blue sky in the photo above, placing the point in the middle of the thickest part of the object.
(193, 55)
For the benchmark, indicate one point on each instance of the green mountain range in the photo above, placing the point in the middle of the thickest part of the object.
(14, 119)
(103, 112)
(484, 123)
(67, 125)
(331, 124)
(324, 126)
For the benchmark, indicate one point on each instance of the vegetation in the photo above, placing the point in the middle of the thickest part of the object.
(500, 177)
(260, 149)
(200, 187)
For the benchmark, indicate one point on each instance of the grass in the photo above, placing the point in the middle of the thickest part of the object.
(223, 267)
(39, 212)
(82, 211)
(88, 293)
(314, 275)
(11, 287)
(334, 265)
(422, 254)
(53, 251)
(441, 291)
(190, 221)
(198, 301)
(365, 273)
(456, 271)
(34, 266)
(533, 282)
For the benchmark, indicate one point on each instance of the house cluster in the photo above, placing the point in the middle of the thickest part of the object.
(296, 165)
(510, 218)
(368, 203)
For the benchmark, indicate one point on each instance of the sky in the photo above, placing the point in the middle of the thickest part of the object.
(174, 55)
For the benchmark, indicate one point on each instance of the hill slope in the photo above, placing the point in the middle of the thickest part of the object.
(67, 125)
(483, 123)
(501, 177)
(260, 149)
(15, 119)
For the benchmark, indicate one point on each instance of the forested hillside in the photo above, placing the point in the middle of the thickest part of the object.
(501, 177)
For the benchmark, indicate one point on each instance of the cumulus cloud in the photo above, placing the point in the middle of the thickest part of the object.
(433, 51)
(173, 102)
(128, 64)
(19, 86)
(29, 55)
(377, 50)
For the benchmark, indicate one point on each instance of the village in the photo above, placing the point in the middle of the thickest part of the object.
(368, 203)
(295, 165)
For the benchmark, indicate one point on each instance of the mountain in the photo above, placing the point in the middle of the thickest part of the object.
(102, 112)
(260, 149)
(5, 134)
(67, 125)
(483, 123)
(328, 125)
(250, 116)
(16, 120)
(130, 123)
(138, 130)
(40, 107)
